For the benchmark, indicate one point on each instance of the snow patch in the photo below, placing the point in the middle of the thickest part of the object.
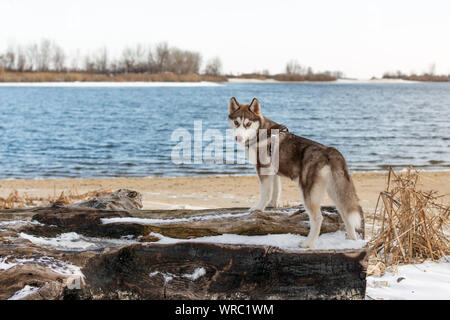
(176, 220)
(19, 223)
(26, 291)
(4, 265)
(76, 242)
(426, 281)
(198, 272)
(166, 275)
(58, 266)
(290, 242)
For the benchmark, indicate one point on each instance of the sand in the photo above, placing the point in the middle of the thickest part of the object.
(212, 192)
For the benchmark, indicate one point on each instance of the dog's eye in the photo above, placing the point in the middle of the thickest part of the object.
(236, 123)
(248, 124)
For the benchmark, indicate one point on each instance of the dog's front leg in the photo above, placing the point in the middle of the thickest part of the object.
(266, 190)
(276, 192)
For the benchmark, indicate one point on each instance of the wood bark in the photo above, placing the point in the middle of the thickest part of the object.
(156, 271)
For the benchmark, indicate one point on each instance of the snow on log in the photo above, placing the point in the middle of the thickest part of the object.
(112, 250)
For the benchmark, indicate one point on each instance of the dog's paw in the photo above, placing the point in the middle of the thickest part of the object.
(274, 204)
(306, 244)
(256, 209)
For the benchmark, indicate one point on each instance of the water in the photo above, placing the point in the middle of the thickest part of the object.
(115, 132)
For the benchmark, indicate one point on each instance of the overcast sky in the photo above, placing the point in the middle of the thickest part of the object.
(361, 38)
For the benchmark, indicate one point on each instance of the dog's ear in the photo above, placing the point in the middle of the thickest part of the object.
(234, 105)
(255, 107)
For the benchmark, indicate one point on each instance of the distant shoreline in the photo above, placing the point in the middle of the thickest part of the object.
(9, 78)
(145, 84)
(110, 84)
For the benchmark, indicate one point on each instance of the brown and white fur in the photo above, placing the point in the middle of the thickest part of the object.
(316, 168)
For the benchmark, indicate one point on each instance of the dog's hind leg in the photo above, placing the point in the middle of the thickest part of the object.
(342, 191)
(312, 198)
(276, 192)
(266, 190)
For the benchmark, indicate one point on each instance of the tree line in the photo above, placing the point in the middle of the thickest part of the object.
(47, 56)
(161, 58)
(429, 75)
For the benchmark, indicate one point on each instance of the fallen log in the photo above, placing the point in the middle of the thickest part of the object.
(126, 253)
(217, 271)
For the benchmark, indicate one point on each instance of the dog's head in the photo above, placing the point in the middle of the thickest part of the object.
(245, 120)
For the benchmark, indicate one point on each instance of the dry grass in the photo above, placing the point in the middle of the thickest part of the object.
(287, 77)
(92, 77)
(306, 77)
(251, 76)
(410, 225)
(16, 201)
(422, 77)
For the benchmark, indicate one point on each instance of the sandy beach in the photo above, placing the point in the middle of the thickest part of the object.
(210, 192)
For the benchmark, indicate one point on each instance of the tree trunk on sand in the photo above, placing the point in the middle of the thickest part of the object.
(138, 268)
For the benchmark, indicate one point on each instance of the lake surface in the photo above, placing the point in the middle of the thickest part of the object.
(126, 131)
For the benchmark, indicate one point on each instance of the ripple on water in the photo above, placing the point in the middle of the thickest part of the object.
(107, 132)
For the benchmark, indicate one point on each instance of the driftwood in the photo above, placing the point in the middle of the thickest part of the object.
(231, 272)
(122, 199)
(141, 270)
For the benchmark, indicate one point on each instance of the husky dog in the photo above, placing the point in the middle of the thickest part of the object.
(315, 167)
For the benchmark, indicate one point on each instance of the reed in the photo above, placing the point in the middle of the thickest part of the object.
(94, 77)
(16, 201)
(305, 77)
(409, 225)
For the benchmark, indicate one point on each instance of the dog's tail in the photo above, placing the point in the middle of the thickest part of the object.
(342, 191)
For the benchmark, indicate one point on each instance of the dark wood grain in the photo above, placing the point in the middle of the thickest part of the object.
(155, 271)
(232, 272)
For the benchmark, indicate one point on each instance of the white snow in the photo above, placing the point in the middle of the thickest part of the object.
(426, 281)
(166, 275)
(110, 84)
(51, 263)
(76, 242)
(27, 290)
(4, 265)
(19, 223)
(176, 220)
(198, 272)
(329, 241)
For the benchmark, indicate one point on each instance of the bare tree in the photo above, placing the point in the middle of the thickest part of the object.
(44, 55)
(59, 58)
(140, 58)
(32, 54)
(151, 62)
(194, 61)
(20, 59)
(101, 61)
(183, 61)
(162, 57)
(214, 67)
(75, 61)
(432, 69)
(89, 65)
(49, 56)
(134, 59)
(127, 60)
(9, 59)
(293, 67)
